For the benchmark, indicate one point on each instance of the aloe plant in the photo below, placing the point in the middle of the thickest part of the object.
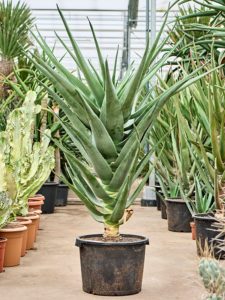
(107, 126)
(24, 168)
(5, 208)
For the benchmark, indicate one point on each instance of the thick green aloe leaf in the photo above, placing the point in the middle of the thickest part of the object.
(100, 58)
(100, 165)
(119, 208)
(139, 188)
(65, 88)
(123, 169)
(73, 79)
(92, 209)
(115, 64)
(102, 139)
(93, 83)
(87, 190)
(128, 96)
(75, 121)
(111, 112)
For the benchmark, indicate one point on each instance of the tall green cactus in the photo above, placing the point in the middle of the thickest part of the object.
(23, 168)
(5, 208)
(213, 276)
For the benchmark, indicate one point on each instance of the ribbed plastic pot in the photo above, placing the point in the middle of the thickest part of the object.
(178, 215)
(2, 252)
(14, 235)
(62, 195)
(49, 191)
(205, 233)
(31, 236)
(112, 269)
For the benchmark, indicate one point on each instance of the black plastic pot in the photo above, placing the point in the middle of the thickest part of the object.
(112, 269)
(178, 215)
(62, 194)
(49, 191)
(158, 201)
(163, 207)
(205, 233)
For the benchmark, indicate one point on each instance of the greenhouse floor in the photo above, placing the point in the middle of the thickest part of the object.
(52, 269)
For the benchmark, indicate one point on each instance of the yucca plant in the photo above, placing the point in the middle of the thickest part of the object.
(107, 126)
(13, 37)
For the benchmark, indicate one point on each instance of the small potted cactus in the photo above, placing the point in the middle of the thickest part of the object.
(213, 277)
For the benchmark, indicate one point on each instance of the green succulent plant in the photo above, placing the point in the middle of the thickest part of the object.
(213, 276)
(24, 168)
(5, 208)
(107, 126)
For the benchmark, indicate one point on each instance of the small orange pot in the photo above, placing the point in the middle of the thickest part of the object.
(2, 252)
(34, 203)
(31, 236)
(38, 212)
(28, 224)
(193, 230)
(14, 235)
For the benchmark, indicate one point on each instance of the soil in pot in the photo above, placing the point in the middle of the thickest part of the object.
(31, 236)
(112, 268)
(14, 235)
(2, 252)
(49, 191)
(178, 215)
(62, 195)
(205, 233)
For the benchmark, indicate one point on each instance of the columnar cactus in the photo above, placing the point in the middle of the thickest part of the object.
(213, 276)
(5, 208)
(23, 168)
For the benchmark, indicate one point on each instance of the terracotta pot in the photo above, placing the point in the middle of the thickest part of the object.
(34, 203)
(2, 252)
(37, 197)
(193, 230)
(27, 223)
(14, 235)
(38, 212)
(31, 236)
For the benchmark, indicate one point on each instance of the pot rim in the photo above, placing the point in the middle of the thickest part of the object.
(35, 216)
(200, 217)
(3, 240)
(80, 241)
(14, 229)
(50, 183)
(35, 203)
(24, 222)
(176, 200)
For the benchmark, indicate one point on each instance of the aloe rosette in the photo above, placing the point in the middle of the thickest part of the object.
(107, 124)
(24, 168)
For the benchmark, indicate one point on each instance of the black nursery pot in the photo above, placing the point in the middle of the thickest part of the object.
(178, 215)
(205, 233)
(62, 195)
(49, 191)
(163, 207)
(158, 200)
(112, 269)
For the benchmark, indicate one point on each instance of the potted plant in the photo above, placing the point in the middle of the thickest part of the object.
(109, 131)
